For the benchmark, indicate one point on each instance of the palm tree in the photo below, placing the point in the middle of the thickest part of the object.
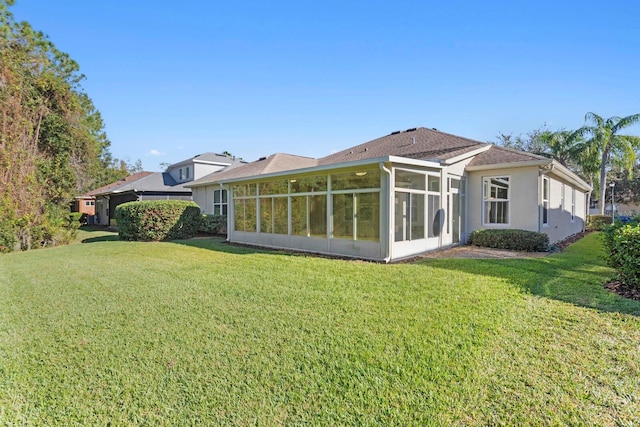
(610, 145)
(561, 145)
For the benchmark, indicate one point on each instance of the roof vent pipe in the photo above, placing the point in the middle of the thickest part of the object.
(413, 139)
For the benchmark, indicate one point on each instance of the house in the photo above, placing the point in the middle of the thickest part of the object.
(394, 197)
(166, 185)
(84, 204)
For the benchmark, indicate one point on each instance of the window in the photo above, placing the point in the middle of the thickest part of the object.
(219, 202)
(309, 216)
(573, 204)
(496, 200)
(369, 178)
(562, 191)
(545, 200)
(409, 221)
(356, 216)
(409, 205)
(411, 180)
(245, 215)
(274, 216)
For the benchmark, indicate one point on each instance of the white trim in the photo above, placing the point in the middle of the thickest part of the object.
(508, 165)
(466, 155)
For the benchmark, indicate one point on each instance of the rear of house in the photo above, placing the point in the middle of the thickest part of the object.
(394, 197)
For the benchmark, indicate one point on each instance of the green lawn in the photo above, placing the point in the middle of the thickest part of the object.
(204, 333)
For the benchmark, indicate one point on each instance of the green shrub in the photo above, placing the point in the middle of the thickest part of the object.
(518, 240)
(622, 245)
(154, 220)
(213, 225)
(598, 222)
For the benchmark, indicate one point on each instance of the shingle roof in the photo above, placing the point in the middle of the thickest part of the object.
(208, 158)
(130, 178)
(501, 155)
(150, 182)
(278, 162)
(418, 143)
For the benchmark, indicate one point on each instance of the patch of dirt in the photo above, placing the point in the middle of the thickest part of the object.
(623, 290)
(561, 245)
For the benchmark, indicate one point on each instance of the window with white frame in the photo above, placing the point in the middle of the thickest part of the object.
(545, 200)
(496, 200)
(573, 204)
(562, 191)
(220, 202)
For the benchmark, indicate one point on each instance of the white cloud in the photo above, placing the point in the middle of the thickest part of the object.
(180, 147)
(155, 152)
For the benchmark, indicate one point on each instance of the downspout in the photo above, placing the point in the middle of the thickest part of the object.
(230, 210)
(388, 240)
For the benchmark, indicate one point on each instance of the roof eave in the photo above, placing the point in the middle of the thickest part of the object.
(508, 165)
(562, 171)
(464, 156)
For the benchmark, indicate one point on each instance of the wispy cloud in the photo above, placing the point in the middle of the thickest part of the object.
(155, 152)
(180, 147)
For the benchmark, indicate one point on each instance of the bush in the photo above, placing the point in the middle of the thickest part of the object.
(213, 225)
(518, 240)
(622, 245)
(154, 220)
(598, 222)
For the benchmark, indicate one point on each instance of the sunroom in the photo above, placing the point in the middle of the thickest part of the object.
(383, 211)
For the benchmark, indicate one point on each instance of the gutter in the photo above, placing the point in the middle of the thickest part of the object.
(389, 241)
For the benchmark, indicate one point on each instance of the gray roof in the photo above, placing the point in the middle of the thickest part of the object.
(274, 163)
(106, 189)
(417, 143)
(208, 158)
(153, 182)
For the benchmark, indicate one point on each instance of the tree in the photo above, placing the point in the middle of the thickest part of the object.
(52, 141)
(612, 148)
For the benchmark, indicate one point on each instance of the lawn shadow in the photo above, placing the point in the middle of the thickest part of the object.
(220, 244)
(101, 234)
(565, 277)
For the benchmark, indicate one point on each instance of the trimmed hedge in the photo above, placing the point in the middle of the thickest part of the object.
(517, 240)
(622, 244)
(598, 222)
(154, 220)
(213, 225)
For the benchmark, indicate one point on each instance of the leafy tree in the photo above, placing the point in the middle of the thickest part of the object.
(52, 142)
(612, 148)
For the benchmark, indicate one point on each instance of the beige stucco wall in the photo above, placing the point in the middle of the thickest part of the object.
(560, 224)
(525, 204)
(523, 199)
(203, 196)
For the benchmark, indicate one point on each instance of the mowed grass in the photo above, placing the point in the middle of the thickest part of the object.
(200, 332)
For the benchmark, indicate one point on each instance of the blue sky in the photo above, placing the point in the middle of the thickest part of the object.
(175, 79)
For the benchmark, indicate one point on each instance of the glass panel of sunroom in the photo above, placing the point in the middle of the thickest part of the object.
(368, 216)
(318, 216)
(310, 184)
(343, 216)
(299, 216)
(280, 215)
(412, 180)
(366, 178)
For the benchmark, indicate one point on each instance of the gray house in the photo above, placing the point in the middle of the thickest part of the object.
(166, 185)
(394, 197)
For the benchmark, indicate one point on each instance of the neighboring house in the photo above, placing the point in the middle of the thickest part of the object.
(84, 204)
(394, 197)
(168, 185)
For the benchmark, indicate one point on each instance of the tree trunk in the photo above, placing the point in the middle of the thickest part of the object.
(603, 179)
